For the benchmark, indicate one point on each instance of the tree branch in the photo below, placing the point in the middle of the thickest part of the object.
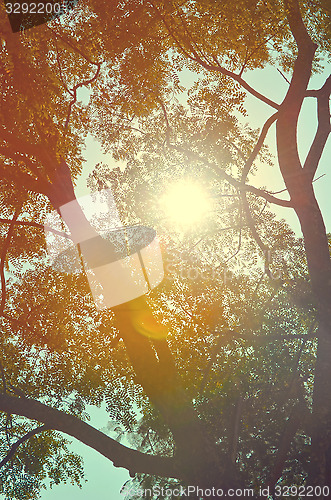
(121, 456)
(258, 146)
(323, 129)
(287, 147)
(70, 44)
(24, 438)
(73, 92)
(23, 147)
(236, 428)
(255, 234)
(3, 260)
(237, 184)
(292, 425)
(241, 82)
(35, 224)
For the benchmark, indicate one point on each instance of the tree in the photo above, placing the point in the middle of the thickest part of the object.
(133, 78)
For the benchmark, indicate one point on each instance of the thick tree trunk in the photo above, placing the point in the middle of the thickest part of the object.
(319, 266)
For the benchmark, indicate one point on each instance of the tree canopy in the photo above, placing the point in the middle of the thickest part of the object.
(237, 394)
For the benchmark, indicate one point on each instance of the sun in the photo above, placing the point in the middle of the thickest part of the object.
(185, 203)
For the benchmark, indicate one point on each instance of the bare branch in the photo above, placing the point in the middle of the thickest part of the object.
(237, 184)
(24, 438)
(323, 129)
(236, 428)
(286, 79)
(212, 67)
(121, 456)
(35, 224)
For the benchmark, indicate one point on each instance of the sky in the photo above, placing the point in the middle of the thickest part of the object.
(104, 480)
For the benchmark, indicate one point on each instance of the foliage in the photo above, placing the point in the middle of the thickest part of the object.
(237, 299)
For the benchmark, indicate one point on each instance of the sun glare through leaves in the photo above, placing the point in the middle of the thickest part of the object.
(185, 204)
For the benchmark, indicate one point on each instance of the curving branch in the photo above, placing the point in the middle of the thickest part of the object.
(287, 146)
(234, 182)
(60, 69)
(24, 438)
(120, 455)
(35, 224)
(323, 129)
(73, 91)
(71, 44)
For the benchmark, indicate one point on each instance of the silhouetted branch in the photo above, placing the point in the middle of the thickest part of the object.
(212, 67)
(292, 425)
(258, 146)
(73, 92)
(60, 69)
(70, 44)
(35, 224)
(255, 234)
(24, 438)
(279, 71)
